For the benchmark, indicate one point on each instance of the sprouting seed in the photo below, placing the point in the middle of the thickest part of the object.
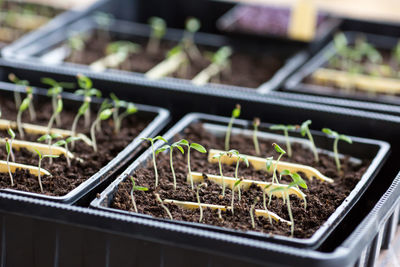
(337, 137)
(235, 114)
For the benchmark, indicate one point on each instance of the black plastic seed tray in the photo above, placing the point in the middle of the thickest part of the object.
(297, 84)
(374, 150)
(158, 117)
(50, 50)
(62, 19)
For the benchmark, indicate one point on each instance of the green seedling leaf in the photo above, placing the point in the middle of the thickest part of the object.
(158, 26)
(330, 132)
(84, 82)
(162, 149)
(10, 131)
(345, 138)
(94, 92)
(72, 139)
(183, 142)
(285, 172)
(83, 107)
(44, 138)
(174, 51)
(60, 143)
(59, 105)
(192, 25)
(49, 81)
(105, 114)
(8, 149)
(198, 147)
(278, 148)
(269, 163)
(236, 111)
(176, 145)
(131, 109)
(160, 138)
(304, 126)
(50, 156)
(25, 104)
(237, 183)
(297, 181)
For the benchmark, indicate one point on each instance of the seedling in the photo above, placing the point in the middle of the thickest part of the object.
(219, 62)
(198, 200)
(191, 27)
(9, 151)
(18, 82)
(285, 129)
(32, 113)
(196, 147)
(240, 158)
(41, 157)
(56, 113)
(55, 90)
(253, 206)
(82, 110)
(12, 135)
(76, 44)
(136, 188)
(296, 182)
(151, 140)
(130, 109)
(158, 30)
(104, 115)
(237, 183)
(218, 156)
(87, 90)
(305, 130)
(104, 105)
(163, 206)
(171, 148)
(24, 106)
(49, 138)
(337, 137)
(117, 53)
(175, 59)
(256, 123)
(281, 153)
(65, 144)
(235, 114)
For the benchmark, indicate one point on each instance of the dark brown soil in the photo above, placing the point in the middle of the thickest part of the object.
(322, 198)
(246, 70)
(65, 179)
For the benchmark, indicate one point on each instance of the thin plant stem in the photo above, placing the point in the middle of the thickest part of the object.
(290, 213)
(39, 178)
(336, 154)
(255, 140)
(233, 199)
(93, 133)
(66, 154)
(163, 206)
(73, 129)
(190, 170)
(199, 203)
(21, 132)
(133, 201)
(265, 205)
(17, 99)
(237, 178)
(313, 147)
(228, 133)
(288, 146)
(8, 166)
(172, 167)
(222, 176)
(154, 163)
(253, 224)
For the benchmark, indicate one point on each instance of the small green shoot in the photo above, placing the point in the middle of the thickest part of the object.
(24, 106)
(192, 25)
(296, 182)
(41, 157)
(171, 148)
(130, 109)
(151, 140)
(256, 123)
(337, 137)
(198, 200)
(32, 112)
(55, 90)
(237, 183)
(49, 138)
(65, 143)
(219, 156)
(235, 114)
(281, 153)
(240, 158)
(87, 90)
(252, 208)
(196, 147)
(305, 130)
(82, 110)
(285, 129)
(285, 191)
(12, 135)
(158, 198)
(158, 30)
(136, 188)
(18, 82)
(104, 115)
(9, 151)
(56, 113)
